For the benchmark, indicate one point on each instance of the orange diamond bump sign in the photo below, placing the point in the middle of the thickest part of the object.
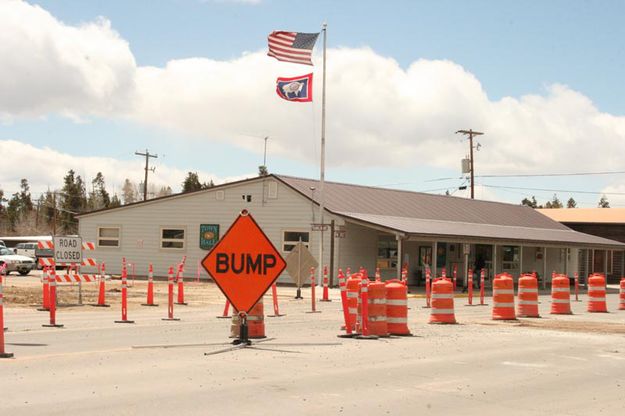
(244, 263)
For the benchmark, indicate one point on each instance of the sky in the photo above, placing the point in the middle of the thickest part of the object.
(85, 84)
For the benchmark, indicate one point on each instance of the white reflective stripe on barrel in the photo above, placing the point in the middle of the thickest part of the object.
(504, 305)
(396, 320)
(377, 318)
(528, 302)
(353, 311)
(596, 288)
(596, 298)
(377, 301)
(504, 291)
(440, 311)
(351, 294)
(527, 290)
(560, 301)
(560, 289)
(442, 296)
(397, 302)
(254, 318)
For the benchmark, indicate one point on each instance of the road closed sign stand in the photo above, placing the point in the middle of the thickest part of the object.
(244, 264)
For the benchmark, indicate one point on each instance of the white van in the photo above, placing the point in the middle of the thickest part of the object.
(26, 249)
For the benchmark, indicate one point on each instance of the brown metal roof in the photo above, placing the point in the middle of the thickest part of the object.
(426, 214)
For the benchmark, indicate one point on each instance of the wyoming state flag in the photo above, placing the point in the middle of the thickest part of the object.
(296, 88)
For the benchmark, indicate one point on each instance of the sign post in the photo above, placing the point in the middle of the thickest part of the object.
(244, 264)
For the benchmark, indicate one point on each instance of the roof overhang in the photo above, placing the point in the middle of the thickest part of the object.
(469, 232)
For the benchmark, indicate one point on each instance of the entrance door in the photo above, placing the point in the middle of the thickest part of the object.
(598, 265)
(483, 259)
(425, 259)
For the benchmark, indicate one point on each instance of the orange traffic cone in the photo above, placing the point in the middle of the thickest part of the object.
(150, 299)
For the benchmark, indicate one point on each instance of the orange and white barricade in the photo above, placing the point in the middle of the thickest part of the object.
(560, 295)
(621, 295)
(255, 322)
(442, 302)
(170, 296)
(397, 308)
(528, 296)
(353, 289)
(596, 293)
(343, 287)
(503, 297)
(377, 309)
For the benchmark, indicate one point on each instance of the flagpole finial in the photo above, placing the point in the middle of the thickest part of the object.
(324, 25)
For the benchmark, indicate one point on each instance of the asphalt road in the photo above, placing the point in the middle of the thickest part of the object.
(94, 366)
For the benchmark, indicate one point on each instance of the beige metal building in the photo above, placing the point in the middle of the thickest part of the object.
(367, 226)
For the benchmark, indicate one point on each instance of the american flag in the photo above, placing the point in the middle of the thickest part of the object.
(292, 46)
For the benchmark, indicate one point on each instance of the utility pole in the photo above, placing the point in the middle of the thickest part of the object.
(471, 133)
(147, 168)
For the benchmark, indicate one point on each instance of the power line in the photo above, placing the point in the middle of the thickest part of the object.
(554, 190)
(533, 175)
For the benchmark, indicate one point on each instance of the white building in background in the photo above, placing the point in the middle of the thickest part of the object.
(373, 227)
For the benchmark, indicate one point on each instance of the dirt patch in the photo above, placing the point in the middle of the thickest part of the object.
(569, 326)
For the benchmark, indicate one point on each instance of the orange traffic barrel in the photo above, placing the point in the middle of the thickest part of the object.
(621, 295)
(255, 322)
(528, 296)
(442, 302)
(596, 293)
(397, 308)
(560, 295)
(377, 309)
(353, 290)
(503, 297)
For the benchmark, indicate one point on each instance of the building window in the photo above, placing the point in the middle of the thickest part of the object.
(108, 236)
(387, 252)
(172, 238)
(291, 238)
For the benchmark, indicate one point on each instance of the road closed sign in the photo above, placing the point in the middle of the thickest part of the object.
(244, 263)
(68, 250)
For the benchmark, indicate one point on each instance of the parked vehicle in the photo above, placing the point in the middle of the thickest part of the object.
(26, 249)
(42, 253)
(15, 263)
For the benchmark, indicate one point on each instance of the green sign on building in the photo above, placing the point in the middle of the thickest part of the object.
(209, 235)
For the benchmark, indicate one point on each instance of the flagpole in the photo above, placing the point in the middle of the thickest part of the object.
(323, 158)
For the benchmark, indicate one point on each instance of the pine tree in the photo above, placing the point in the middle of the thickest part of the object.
(554, 203)
(191, 183)
(262, 170)
(530, 203)
(115, 202)
(571, 203)
(98, 197)
(603, 202)
(73, 200)
(164, 191)
(129, 193)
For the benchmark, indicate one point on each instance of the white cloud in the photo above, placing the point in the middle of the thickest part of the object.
(47, 167)
(50, 67)
(378, 113)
